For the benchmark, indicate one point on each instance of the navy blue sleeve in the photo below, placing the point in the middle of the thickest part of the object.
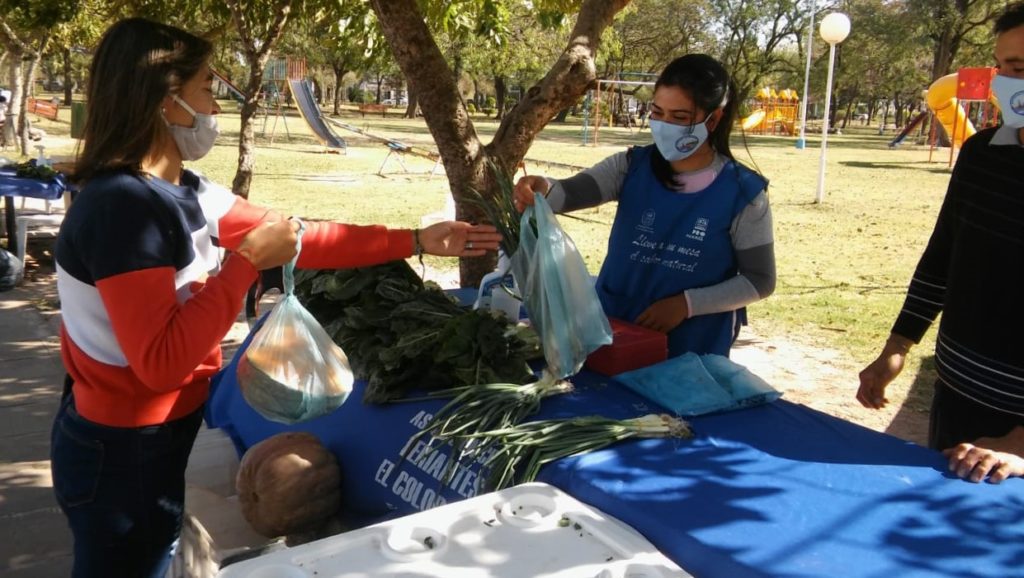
(119, 225)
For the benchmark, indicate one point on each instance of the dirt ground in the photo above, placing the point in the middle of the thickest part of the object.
(820, 378)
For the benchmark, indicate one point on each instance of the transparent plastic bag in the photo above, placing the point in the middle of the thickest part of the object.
(558, 292)
(292, 370)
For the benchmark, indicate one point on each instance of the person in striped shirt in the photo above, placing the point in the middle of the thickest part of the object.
(972, 272)
(146, 299)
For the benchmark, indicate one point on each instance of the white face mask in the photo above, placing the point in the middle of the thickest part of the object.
(196, 140)
(675, 141)
(1010, 93)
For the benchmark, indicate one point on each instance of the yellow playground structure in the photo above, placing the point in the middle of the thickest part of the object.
(773, 112)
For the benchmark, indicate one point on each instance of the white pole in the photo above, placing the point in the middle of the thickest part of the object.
(801, 142)
(824, 126)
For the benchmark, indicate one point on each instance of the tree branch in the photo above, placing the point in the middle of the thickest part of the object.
(429, 76)
(567, 80)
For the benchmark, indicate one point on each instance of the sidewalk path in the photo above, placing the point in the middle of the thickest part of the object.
(37, 542)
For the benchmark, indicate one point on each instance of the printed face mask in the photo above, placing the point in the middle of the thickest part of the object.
(1010, 93)
(677, 142)
(196, 140)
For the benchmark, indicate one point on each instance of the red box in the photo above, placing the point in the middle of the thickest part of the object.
(632, 347)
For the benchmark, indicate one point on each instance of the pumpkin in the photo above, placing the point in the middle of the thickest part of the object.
(288, 483)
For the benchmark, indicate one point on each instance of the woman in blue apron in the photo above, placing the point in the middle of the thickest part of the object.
(692, 244)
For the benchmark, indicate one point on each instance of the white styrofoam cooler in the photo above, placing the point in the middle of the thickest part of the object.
(532, 530)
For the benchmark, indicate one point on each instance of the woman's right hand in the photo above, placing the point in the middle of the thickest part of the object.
(270, 245)
(526, 187)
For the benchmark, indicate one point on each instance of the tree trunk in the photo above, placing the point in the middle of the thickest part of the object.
(898, 104)
(500, 90)
(942, 57)
(410, 109)
(436, 88)
(257, 50)
(339, 73)
(247, 138)
(32, 57)
(67, 77)
(24, 125)
(380, 80)
(14, 107)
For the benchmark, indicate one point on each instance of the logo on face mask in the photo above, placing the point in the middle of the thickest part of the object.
(1010, 94)
(1017, 102)
(687, 143)
(677, 142)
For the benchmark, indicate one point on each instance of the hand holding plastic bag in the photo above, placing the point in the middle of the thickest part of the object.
(558, 292)
(293, 371)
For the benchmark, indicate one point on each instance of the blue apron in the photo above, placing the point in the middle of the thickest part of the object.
(664, 242)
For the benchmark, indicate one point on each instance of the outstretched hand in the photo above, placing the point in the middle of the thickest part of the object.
(459, 239)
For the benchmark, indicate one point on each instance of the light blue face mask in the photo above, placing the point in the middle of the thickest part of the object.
(1010, 93)
(196, 140)
(677, 142)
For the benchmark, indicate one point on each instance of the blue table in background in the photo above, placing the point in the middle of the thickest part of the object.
(13, 186)
(779, 490)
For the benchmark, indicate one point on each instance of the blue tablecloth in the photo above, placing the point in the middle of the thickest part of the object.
(14, 186)
(780, 490)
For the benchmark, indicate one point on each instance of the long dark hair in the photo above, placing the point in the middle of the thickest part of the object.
(137, 63)
(709, 85)
(1011, 18)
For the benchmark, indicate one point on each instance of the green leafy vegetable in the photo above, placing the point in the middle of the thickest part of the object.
(402, 334)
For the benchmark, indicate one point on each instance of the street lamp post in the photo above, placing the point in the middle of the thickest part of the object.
(801, 142)
(834, 29)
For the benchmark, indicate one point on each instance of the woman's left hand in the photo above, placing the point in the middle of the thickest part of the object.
(992, 458)
(665, 315)
(975, 463)
(459, 239)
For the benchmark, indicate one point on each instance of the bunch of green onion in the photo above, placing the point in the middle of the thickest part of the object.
(476, 409)
(521, 450)
(501, 209)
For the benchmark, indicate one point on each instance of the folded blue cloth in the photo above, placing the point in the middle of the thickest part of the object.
(692, 384)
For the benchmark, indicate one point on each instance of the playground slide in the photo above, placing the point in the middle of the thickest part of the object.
(759, 117)
(907, 130)
(754, 120)
(302, 91)
(942, 100)
(239, 96)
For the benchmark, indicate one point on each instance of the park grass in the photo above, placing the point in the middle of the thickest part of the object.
(843, 265)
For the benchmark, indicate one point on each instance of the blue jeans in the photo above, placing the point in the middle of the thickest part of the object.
(122, 490)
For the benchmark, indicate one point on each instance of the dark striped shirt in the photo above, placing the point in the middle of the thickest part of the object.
(973, 273)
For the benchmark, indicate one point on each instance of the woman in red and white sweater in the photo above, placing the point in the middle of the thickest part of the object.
(146, 300)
